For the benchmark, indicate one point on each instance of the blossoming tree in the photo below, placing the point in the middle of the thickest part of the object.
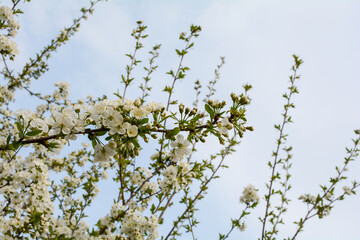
(34, 203)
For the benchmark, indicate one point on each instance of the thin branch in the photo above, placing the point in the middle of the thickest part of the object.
(282, 137)
(227, 150)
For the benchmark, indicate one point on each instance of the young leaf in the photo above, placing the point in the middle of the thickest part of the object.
(34, 132)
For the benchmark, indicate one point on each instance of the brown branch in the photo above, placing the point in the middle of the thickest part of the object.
(91, 131)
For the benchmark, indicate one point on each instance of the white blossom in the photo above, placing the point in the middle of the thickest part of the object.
(224, 126)
(249, 195)
(180, 147)
(347, 190)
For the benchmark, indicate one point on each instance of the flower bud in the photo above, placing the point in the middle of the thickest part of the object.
(164, 114)
(211, 102)
(244, 100)
(181, 108)
(250, 128)
(130, 145)
(137, 102)
(112, 144)
(137, 152)
(149, 125)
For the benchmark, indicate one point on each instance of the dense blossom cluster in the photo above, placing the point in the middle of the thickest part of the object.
(249, 195)
(24, 188)
(136, 226)
(11, 26)
(113, 115)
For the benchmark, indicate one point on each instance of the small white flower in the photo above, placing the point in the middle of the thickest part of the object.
(243, 227)
(139, 113)
(132, 131)
(180, 147)
(224, 126)
(347, 190)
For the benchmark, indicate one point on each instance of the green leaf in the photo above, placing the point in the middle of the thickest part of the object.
(168, 134)
(144, 120)
(196, 118)
(52, 145)
(19, 11)
(20, 128)
(209, 110)
(34, 132)
(93, 142)
(117, 94)
(175, 131)
(152, 209)
(14, 146)
(101, 133)
(136, 144)
(181, 75)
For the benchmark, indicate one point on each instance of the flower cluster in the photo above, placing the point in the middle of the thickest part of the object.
(116, 209)
(176, 177)
(113, 115)
(307, 198)
(136, 226)
(8, 23)
(28, 193)
(140, 175)
(249, 195)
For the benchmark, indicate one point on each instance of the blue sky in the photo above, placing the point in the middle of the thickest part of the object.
(257, 39)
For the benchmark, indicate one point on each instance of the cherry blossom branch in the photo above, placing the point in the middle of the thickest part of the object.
(92, 131)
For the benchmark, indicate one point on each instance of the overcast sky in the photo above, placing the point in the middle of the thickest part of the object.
(257, 39)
